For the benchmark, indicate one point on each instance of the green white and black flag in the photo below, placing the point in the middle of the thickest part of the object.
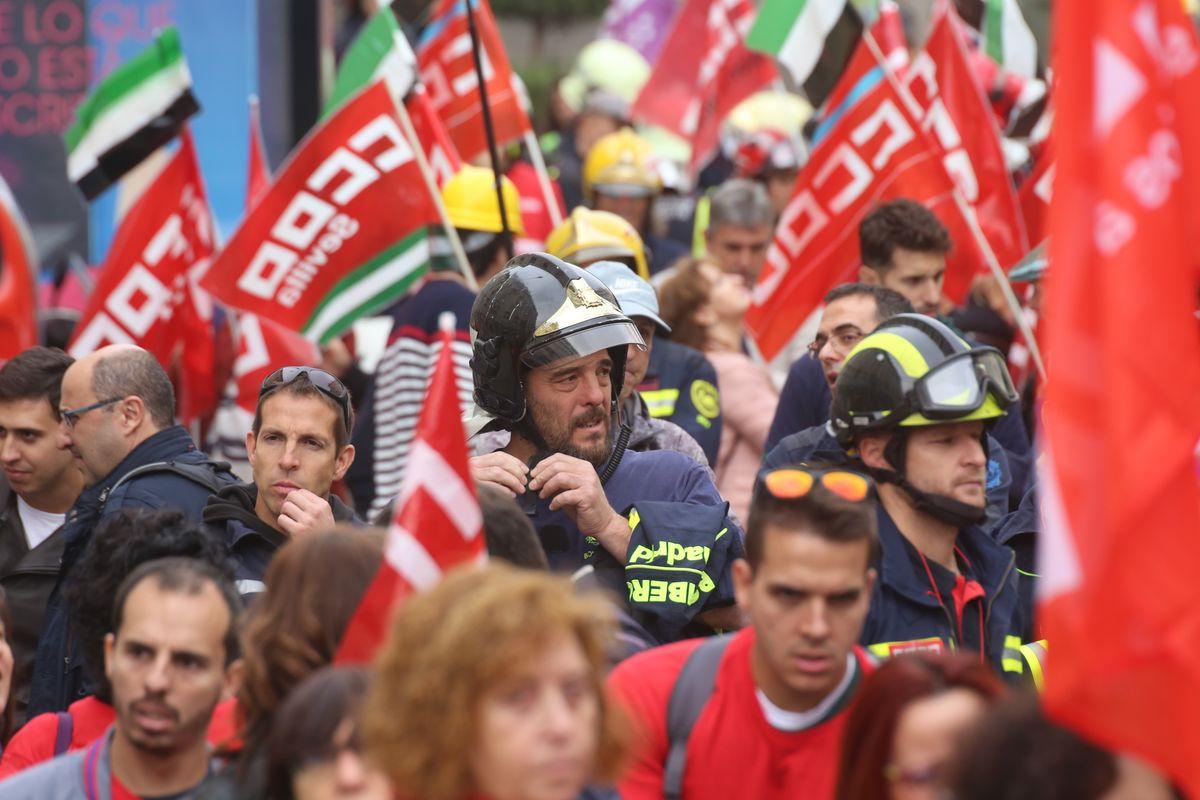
(137, 109)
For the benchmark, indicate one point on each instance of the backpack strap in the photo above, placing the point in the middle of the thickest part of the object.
(64, 732)
(205, 473)
(693, 688)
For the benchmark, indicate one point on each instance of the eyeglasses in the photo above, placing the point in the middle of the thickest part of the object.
(843, 341)
(790, 483)
(325, 383)
(72, 416)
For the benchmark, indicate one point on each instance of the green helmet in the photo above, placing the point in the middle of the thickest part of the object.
(914, 370)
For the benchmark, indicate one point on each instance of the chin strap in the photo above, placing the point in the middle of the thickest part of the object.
(938, 506)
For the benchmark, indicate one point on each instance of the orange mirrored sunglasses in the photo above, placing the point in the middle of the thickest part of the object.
(792, 482)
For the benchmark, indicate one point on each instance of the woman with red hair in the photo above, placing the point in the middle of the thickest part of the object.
(906, 721)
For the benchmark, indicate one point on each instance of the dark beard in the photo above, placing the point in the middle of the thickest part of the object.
(560, 441)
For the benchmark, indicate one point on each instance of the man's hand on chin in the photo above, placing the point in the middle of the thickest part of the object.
(304, 512)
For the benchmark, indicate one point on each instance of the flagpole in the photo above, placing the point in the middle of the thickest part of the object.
(460, 255)
(539, 166)
(488, 128)
(989, 256)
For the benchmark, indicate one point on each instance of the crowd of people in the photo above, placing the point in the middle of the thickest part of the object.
(708, 576)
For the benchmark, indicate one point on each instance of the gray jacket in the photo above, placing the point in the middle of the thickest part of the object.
(82, 775)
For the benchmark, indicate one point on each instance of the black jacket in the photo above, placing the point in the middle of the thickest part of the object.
(59, 677)
(28, 577)
(251, 541)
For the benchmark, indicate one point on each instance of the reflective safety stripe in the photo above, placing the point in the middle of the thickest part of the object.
(933, 644)
(1011, 660)
(661, 402)
(1034, 655)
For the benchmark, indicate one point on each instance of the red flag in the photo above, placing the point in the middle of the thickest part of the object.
(957, 115)
(1121, 479)
(263, 347)
(1035, 195)
(888, 31)
(340, 233)
(258, 177)
(447, 67)
(431, 132)
(18, 279)
(869, 150)
(437, 523)
(148, 293)
(702, 72)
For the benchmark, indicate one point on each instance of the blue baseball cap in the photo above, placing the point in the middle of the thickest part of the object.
(636, 296)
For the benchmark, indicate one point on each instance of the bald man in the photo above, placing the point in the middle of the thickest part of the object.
(118, 422)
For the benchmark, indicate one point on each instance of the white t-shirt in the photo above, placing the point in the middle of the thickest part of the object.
(38, 524)
(791, 721)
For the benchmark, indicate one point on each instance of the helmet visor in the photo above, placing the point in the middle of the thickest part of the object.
(615, 332)
(960, 384)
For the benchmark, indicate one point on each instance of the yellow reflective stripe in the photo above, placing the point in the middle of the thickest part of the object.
(1034, 655)
(1011, 661)
(661, 402)
(634, 519)
(883, 649)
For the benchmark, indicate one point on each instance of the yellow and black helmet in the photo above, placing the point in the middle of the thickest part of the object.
(588, 236)
(913, 371)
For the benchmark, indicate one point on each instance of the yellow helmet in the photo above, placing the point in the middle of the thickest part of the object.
(587, 236)
(470, 199)
(621, 164)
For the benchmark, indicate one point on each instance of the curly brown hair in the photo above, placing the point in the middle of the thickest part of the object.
(449, 646)
(314, 585)
(680, 297)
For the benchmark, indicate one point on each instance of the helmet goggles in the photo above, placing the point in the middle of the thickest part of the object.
(960, 385)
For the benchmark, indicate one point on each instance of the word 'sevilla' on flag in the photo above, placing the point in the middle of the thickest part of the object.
(447, 68)
(147, 293)
(436, 525)
(1007, 38)
(137, 109)
(869, 149)
(1120, 475)
(341, 232)
(959, 118)
(18, 279)
(703, 71)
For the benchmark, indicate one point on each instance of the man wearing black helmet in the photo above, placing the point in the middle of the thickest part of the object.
(913, 403)
(548, 363)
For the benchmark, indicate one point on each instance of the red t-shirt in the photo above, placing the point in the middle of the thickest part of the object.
(733, 751)
(34, 742)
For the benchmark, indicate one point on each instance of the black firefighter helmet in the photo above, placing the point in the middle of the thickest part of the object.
(535, 312)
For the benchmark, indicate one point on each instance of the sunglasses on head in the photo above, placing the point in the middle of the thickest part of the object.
(325, 383)
(790, 483)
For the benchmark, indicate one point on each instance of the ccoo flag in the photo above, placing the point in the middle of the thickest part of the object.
(340, 233)
(437, 523)
(1121, 479)
(18, 279)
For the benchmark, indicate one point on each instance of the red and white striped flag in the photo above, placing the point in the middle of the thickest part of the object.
(437, 523)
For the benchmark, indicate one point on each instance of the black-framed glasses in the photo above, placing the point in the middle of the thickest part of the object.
(72, 416)
(324, 383)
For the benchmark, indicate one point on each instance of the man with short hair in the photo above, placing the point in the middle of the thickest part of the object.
(298, 446)
(118, 421)
(41, 484)
(169, 660)
(549, 364)
(912, 405)
(850, 312)
(741, 224)
(760, 713)
(903, 247)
